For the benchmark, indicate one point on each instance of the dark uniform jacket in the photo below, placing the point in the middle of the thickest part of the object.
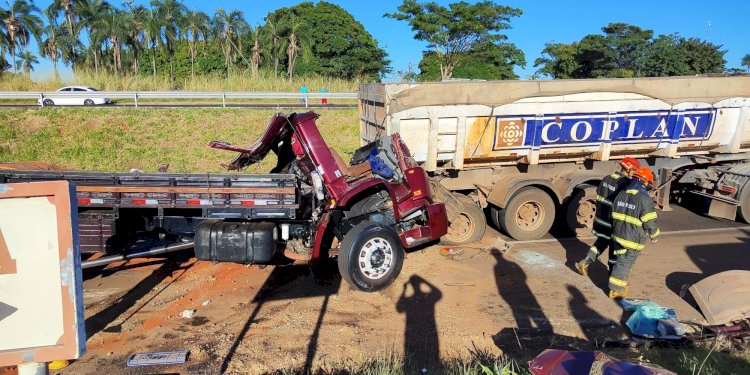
(633, 217)
(608, 189)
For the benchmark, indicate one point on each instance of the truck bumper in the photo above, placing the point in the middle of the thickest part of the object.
(436, 227)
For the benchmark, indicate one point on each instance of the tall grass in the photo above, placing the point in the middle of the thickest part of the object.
(234, 81)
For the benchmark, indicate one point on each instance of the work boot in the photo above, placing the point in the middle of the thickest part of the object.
(583, 267)
(618, 295)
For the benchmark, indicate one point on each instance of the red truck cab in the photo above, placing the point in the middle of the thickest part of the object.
(372, 215)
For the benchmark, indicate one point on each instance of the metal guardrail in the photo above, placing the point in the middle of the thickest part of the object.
(140, 95)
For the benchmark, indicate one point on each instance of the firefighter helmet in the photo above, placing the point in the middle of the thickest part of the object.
(644, 174)
(630, 164)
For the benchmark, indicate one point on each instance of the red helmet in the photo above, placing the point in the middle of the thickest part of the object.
(644, 174)
(630, 164)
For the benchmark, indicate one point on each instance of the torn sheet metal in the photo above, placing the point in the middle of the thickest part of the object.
(563, 362)
(723, 297)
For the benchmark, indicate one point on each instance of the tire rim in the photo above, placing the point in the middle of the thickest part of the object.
(461, 228)
(586, 212)
(375, 258)
(530, 215)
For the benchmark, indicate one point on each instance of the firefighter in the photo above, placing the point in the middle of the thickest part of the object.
(608, 189)
(633, 222)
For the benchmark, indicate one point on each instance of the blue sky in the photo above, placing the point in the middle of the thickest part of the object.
(564, 21)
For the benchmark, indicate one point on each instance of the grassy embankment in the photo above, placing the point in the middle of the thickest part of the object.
(121, 139)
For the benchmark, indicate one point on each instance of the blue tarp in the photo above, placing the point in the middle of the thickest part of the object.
(651, 320)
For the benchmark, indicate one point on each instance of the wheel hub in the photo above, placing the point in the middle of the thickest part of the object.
(529, 215)
(375, 258)
(586, 212)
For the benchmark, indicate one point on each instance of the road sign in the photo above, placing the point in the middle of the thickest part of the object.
(41, 295)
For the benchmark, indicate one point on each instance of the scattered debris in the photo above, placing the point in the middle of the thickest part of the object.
(651, 320)
(450, 252)
(187, 314)
(563, 362)
(723, 297)
(206, 302)
(158, 358)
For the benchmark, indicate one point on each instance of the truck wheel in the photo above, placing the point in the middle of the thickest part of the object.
(528, 215)
(580, 210)
(371, 256)
(468, 226)
(745, 206)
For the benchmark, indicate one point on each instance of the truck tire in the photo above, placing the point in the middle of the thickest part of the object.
(528, 215)
(745, 205)
(371, 256)
(468, 226)
(580, 210)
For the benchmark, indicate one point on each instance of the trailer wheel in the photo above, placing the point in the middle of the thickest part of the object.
(468, 226)
(371, 256)
(745, 206)
(580, 210)
(528, 215)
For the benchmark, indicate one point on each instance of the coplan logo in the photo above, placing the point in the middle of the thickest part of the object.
(594, 128)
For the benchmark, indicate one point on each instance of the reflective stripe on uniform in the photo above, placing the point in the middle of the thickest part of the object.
(602, 222)
(632, 191)
(594, 250)
(648, 217)
(629, 244)
(612, 261)
(614, 175)
(601, 199)
(620, 252)
(600, 235)
(627, 218)
(656, 234)
(618, 282)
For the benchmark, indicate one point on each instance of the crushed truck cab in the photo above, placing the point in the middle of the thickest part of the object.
(346, 209)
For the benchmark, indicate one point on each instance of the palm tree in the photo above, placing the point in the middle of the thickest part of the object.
(228, 26)
(171, 14)
(274, 44)
(152, 33)
(294, 45)
(196, 24)
(135, 18)
(746, 61)
(256, 49)
(27, 61)
(21, 23)
(51, 46)
(91, 13)
(68, 8)
(115, 29)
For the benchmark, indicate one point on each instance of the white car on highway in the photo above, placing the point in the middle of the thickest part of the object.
(74, 95)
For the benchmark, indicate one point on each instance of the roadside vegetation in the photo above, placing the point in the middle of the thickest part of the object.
(236, 81)
(121, 139)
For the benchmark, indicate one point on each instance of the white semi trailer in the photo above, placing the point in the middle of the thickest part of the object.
(531, 151)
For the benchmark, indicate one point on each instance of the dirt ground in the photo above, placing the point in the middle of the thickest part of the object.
(250, 319)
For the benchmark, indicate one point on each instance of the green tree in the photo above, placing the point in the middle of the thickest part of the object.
(453, 32)
(228, 27)
(662, 57)
(558, 60)
(701, 56)
(51, 43)
(491, 62)
(170, 13)
(91, 12)
(629, 51)
(68, 8)
(21, 23)
(746, 62)
(195, 25)
(339, 45)
(26, 61)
